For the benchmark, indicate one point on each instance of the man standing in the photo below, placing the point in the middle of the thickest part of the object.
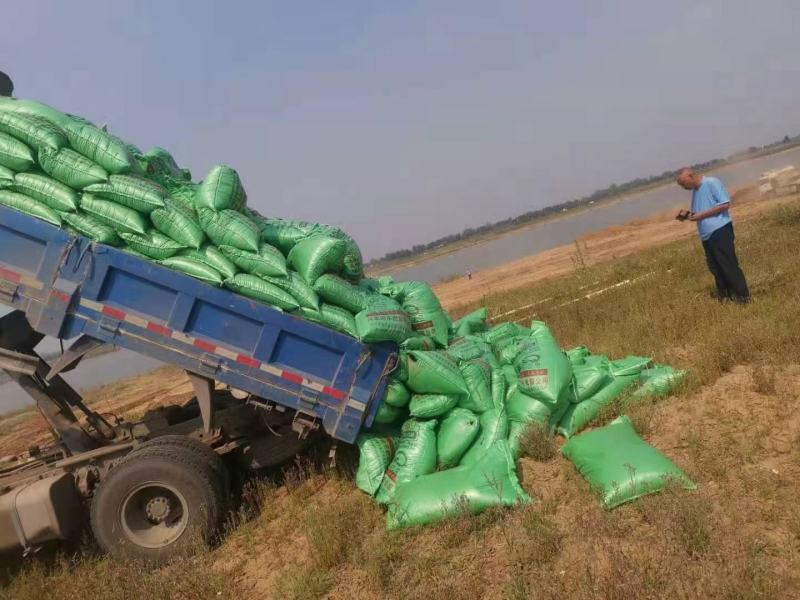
(710, 204)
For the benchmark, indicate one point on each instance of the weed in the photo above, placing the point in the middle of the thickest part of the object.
(764, 380)
(538, 443)
(304, 584)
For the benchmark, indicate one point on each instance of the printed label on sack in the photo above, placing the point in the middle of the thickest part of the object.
(423, 325)
(534, 377)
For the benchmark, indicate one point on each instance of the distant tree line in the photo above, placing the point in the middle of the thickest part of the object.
(603, 194)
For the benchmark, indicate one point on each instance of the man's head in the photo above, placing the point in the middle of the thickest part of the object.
(688, 179)
(6, 85)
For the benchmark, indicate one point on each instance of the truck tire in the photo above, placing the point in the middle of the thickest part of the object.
(159, 503)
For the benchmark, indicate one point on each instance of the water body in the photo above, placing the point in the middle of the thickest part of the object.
(568, 228)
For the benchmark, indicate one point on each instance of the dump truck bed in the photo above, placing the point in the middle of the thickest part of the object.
(69, 286)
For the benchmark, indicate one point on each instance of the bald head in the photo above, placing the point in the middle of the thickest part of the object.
(688, 179)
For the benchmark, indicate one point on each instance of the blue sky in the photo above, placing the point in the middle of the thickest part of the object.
(404, 121)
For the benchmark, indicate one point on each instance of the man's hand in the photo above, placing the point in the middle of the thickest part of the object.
(683, 215)
(694, 217)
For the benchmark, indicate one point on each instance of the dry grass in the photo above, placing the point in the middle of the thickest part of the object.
(734, 428)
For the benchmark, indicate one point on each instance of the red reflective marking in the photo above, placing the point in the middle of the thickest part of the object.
(60, 295)
(334, 392)
(246, 360)
(113, 313)
(205, 346)
(10, 275)
(159, 329)
(293, 377)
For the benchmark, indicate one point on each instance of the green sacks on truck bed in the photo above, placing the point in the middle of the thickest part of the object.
(45, 189)
(178, 223)
(91, 228)
(14, 154)
(194, 268)
(153, 244)
(383, 320)
(108, 151)
(209, 255)
(335, 290)
(35, 131)
(424, 310)
(331, 316)
(70, 168)
(258, 289)
(7, 178)
(229, 228)
(492, 481)
(221, 189)
(29, 206)
(316, 255)
(620, 465)
(298, 288)
(121, 218)
(135, 192)
(267, 261)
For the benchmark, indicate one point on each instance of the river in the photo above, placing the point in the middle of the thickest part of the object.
(565, 230)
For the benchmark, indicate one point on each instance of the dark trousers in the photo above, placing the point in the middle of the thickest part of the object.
(724, 266)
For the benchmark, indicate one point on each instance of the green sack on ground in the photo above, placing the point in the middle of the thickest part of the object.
(388, 414)
(330, 316)
(177, 223)
(70, 168)
(424, 310)
(14, 154)
(317, 255)
(195, 268)
(499, 387)
(468, 347)
(45, 189)
(658, 381)
(91, 228)
(525, 409)
(630, 365)
(474, 322)
(335, 290)
(509, 349)
(434, 373)
(29, 206)
(457, 432)
(209, 254)
(577, 355)
(491, 481)
(427, 406)
(229, 228)
(267, 261)
(121, 218)
(397, 393)
(299, 289)
(504, 330)
(418, 342)
(35, 131)
(375, 452)
(516, 434)
(258, 289)
(578, 416)
(383, 320)
(620, 465)
(221, 189)
(109, 152)
(590, 376)
(135, 192)
(545, 373)
(494, 427)
(153, 244)
(477, 378)
(415, 456)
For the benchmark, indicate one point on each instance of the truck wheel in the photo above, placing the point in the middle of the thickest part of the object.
(156, 505)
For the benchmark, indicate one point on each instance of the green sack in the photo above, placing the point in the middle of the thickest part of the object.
(70, 168)
(29, 206)
(258, 289)
(494, 427)
(630, 365)
(577, 355)
(620, 465)
(383, 320)
(335, 290)
(388, 414)
(108, 151)
(330, 316)
(121, 218)
(299, 289)
(477, 378)
(177, 223)
(267, 261)
(14, 154)
(35, 131)
(161, 166)
(491, 481)
(397, 394)
(525, 409)
(457, 432)
(424, 310)
(229, 228)
(209, 255)
(418, 342)
(135, 192)
(509, 349)
(474, 322)
(503, 331)
(91, 228)
(193, 267)
(45, 189)
(658, 381)
(468, 347)
(578, 416)
(590, 377)
(415, 456)
(7, 179)
(545, 373)
(499, 387)
(516, 434)
(221, 189)
(317, 255)
(434, 373)
(153, 244)
(375, 452)
(282, 233)
(427, 406)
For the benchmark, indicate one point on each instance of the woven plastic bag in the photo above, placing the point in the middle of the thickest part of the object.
(630, 365)
(195, 268)
(335, 290)
(658, 381)
(477, 377)
(178, 223)
(221, 189)
(258, 289)
(424, 310)
(45, 189)
(434, 373)
(330, 316)
(7, 178)
(35, 131)
(457, 432)
(578, 416)
(267, 261)
(474, 322)
(397, 393)
(383, 320)
(388, 414)
(298, 288)
(317, 255)
(591, 376)
(545, 373)
(121, 218)
(211, 256)
(91, 228)
(282, 233)
(14, 154)
(491, 481)
(229, 228)
(375, 453)
(108, 151)
(428, 406)
(468, 347)
(494, 427)
(578, 355)
(415, 456)
(418, 342)
(137, 193)
(29, 206)
(620, 465)
(153, 244)
(70, 168)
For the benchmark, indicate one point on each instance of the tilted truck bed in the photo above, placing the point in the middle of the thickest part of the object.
(69, 286)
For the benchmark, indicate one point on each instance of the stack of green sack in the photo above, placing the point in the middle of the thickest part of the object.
(448, 432)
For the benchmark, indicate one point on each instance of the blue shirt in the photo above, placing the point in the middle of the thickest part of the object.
(711, 193)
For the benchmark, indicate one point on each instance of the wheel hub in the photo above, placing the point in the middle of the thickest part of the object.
(158, 509)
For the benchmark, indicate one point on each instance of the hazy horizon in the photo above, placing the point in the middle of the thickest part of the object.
(406, 122)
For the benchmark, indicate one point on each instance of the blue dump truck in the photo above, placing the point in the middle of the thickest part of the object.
(265, 383)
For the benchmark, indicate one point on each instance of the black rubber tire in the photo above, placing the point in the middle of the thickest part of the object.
(175, 466)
